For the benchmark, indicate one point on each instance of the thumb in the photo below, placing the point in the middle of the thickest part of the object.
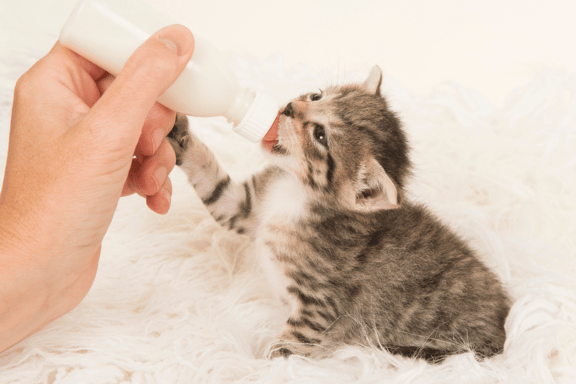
(148, 73)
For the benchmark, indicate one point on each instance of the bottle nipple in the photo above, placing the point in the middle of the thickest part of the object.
(257, 110)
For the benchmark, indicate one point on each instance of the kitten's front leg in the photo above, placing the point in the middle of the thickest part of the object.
(231, 204)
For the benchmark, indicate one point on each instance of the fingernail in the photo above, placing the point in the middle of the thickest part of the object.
(167, 196)
(158, 135)
(159, 176)
(170, 44)
(178, 38)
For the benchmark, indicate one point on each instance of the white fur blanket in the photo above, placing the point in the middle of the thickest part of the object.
(178, 299)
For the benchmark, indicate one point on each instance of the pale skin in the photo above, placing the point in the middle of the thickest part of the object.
(79, 140)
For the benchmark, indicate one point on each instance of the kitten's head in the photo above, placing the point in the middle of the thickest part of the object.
(345, 144)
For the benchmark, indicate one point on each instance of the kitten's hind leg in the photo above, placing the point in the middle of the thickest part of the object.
(305, 334)
(431, 355)
(294, 342)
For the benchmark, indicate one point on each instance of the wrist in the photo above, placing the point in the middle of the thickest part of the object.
(24, 297)
(31, 294)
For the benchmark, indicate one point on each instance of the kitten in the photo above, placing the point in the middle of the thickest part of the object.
(356, 261)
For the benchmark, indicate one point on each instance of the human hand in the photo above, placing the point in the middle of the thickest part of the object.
(70, 158)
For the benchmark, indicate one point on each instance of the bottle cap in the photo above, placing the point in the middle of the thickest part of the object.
(258, 119)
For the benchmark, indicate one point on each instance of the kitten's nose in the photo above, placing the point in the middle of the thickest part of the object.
(289, 110)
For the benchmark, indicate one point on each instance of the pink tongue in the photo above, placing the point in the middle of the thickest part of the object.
(272, 134)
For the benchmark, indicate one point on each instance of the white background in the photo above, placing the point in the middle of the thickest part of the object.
(492, 46)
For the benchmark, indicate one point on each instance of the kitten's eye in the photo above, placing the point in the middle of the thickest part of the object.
(316, 96)
(320, 135)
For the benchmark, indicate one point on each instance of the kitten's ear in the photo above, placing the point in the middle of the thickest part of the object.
(374, 189)
(374, 81)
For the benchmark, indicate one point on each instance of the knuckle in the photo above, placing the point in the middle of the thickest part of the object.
(23, 86)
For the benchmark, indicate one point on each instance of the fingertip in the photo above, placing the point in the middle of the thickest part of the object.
(160, 202)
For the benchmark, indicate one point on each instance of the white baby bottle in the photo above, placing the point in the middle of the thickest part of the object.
(107, 32)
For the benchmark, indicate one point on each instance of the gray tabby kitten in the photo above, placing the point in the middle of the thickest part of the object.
(356, 261)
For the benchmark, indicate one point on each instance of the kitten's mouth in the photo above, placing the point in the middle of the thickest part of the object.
(270, 140)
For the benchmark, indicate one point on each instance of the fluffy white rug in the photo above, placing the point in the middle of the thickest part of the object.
(179, 300)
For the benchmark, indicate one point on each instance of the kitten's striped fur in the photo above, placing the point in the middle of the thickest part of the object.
(355, 260)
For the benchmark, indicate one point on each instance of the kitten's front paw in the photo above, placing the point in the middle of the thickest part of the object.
(179, 137)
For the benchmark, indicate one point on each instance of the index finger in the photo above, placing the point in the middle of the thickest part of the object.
(92, 69)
